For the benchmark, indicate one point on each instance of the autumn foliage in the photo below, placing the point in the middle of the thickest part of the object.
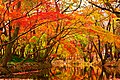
(37, 29)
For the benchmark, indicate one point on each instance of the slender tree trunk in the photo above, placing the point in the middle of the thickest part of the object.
(99, 53)
(8, 50)
(116, 30)
(106, 52)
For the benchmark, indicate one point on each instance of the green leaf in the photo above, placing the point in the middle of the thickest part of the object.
(82, 38)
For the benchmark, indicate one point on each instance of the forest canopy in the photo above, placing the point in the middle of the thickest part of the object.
(44, 30)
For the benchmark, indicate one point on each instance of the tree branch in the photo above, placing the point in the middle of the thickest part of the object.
(103, 8)
(65, 10)
(32, 28)
(23, 15)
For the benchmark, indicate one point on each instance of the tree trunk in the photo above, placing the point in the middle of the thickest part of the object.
(8, 50)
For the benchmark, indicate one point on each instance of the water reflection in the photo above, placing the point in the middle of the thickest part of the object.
(86, 73)
(109, 73)
(73, 72)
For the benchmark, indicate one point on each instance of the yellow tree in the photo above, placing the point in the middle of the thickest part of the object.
(111, 7)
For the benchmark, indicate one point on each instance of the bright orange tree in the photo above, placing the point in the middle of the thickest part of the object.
(36, 28)
(19, 19)
(42, 28)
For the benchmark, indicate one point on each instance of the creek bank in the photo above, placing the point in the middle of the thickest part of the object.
(26, 68)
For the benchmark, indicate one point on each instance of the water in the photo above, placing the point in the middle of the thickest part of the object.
(86, 73)
(68, 72)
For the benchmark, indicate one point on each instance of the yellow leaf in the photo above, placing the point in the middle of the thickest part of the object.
(3, 37)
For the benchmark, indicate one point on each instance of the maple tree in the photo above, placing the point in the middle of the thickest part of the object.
(42, 29)
(23, 22)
